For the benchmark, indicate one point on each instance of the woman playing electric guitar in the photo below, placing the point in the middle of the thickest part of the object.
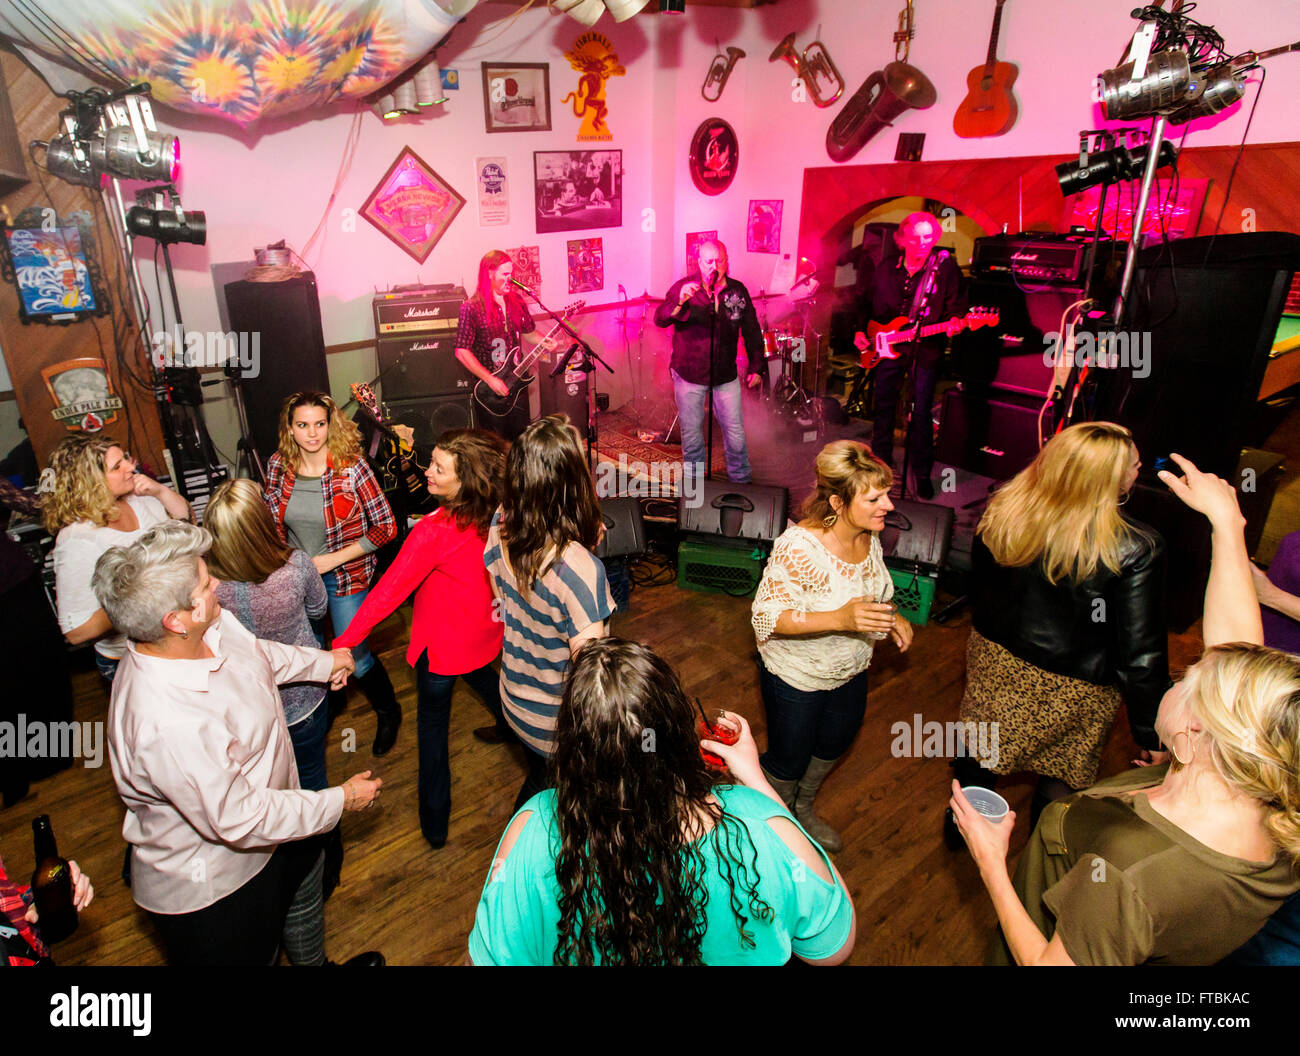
(491, 324)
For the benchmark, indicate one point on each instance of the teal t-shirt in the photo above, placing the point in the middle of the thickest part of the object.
(518, 915)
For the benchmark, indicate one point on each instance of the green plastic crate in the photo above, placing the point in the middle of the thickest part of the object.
(913, 593)
(720, 568)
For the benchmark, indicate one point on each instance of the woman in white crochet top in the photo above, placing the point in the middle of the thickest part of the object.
(821, 607)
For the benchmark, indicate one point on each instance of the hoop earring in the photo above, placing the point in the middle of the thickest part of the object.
(1124, 498)
(1173, 747)
(828, 522)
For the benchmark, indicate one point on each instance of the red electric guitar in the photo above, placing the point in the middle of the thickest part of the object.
(881, 337)
(989, 108)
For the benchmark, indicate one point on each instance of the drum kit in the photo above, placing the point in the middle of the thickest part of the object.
(786, 347)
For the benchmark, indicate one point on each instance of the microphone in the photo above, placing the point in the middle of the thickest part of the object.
(516, 282)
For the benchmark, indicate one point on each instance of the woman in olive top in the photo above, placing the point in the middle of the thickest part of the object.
(1179, 863)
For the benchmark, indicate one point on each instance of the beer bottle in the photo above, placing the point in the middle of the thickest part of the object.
(52, 886)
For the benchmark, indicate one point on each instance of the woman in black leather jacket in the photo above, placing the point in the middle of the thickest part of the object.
(1067, 600)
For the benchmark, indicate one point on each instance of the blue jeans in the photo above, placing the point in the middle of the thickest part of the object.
(1277, 944)
(308, 737)
(341, 612)
(433, 717)
(802, 724)
(891, 375)
(726, 409)
(107, 667)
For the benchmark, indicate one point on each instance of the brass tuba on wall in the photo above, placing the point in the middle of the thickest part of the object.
(814, 68)
(884, 96)
(719, 71)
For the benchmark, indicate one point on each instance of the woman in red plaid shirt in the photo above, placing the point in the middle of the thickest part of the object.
(326, 501)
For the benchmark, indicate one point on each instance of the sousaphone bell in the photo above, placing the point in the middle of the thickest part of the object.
(884, 96)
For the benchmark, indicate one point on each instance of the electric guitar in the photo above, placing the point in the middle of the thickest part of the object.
(398, 464)
(881, 337)
(515, 371)
(989, 108)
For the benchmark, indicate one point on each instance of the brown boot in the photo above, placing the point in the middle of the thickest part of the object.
(806, 792)
(784, 789)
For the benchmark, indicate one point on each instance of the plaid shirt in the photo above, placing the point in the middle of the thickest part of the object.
(354, 507)
(13, 911)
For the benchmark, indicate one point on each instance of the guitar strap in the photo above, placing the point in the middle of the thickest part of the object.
(927, 282)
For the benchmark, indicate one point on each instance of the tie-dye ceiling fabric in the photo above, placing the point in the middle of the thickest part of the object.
(237, 59)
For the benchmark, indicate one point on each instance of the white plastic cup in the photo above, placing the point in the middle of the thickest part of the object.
(987, 802)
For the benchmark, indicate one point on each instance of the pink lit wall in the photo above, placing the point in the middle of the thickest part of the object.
(277, 183)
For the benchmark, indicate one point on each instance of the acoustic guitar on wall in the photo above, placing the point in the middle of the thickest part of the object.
(989, 108)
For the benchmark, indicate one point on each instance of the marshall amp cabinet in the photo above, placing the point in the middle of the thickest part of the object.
(1039, 259)
(416, 331)
(417, 309)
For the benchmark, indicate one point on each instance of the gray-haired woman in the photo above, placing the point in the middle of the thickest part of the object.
(203, 761)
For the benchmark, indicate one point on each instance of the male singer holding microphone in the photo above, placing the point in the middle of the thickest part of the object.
(707, 317)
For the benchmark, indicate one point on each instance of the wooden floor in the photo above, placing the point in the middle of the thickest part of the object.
(917, 903)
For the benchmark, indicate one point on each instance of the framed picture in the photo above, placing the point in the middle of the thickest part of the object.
(517, 96)
(1178, 215)
(51, 262)
(528, 266)
(586, 265)
(412, 205)
(763, 232)
(577, 189)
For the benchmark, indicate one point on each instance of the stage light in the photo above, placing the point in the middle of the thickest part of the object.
(428, 85)
(1163, 88)
(622, 10)
(1109, 166)
(675, 7)
(1214, 90)
(165, 226)
(114, 153)
(404, 99)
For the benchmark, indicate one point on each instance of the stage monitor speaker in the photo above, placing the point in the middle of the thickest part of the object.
(1010, 357)
(1204, 316)
(917, 535)
(735, 511)
(993, 437)
(431, 416)
(624, 527)
(418, 365)
(285, 316)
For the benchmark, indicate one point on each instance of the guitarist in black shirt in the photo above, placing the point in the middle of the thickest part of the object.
(492, 323)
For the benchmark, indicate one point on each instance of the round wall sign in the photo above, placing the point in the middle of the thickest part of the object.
(715, 154)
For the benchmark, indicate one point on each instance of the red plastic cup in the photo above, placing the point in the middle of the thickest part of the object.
(720, 728)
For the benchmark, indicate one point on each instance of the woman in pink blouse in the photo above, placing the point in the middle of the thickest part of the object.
(456, 631)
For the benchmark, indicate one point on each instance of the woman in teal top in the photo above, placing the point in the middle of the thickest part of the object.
(635, 858)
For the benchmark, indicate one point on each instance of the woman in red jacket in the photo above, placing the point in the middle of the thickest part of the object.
(455, 631)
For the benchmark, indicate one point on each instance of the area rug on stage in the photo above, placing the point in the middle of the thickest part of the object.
(617, 435)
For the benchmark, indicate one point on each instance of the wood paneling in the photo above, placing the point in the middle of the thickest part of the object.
(27, 349)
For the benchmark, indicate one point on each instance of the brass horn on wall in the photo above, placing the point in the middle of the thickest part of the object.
(814, 68)
(884, 96)
(719, 71)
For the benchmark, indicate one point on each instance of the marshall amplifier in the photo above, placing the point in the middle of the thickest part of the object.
(417, 365)
(1038, 260)
(417, 309)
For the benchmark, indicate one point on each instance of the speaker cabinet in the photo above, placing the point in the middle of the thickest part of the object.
(284, 319)
(917, 535)
(566, 393)
(624, 528)
(417, 365)
(993, 437)
(735, 511)
(431, 416)
(1210, 307)
(1010, 357)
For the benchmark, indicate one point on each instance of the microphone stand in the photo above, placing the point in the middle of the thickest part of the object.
(713, 351)
(590, 357)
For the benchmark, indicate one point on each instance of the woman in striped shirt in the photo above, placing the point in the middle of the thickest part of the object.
(551, 589)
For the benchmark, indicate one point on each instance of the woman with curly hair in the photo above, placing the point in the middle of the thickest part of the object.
(454, 632)
(553, 593)
(635, 857)
(326, 502)
(98, 501)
